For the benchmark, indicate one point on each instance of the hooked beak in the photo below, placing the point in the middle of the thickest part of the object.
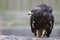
(30, 13)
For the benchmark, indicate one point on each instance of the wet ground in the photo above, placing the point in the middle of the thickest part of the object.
(24, 33)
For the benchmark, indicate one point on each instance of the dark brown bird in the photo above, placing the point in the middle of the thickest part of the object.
(41, 20)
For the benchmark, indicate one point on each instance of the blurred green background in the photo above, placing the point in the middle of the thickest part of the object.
(15, 12)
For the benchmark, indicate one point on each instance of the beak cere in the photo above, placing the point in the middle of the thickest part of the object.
(30, 13)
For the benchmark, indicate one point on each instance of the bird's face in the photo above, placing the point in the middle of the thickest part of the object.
(30, 13)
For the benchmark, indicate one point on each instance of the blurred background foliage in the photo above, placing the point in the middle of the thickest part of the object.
(15, 12)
